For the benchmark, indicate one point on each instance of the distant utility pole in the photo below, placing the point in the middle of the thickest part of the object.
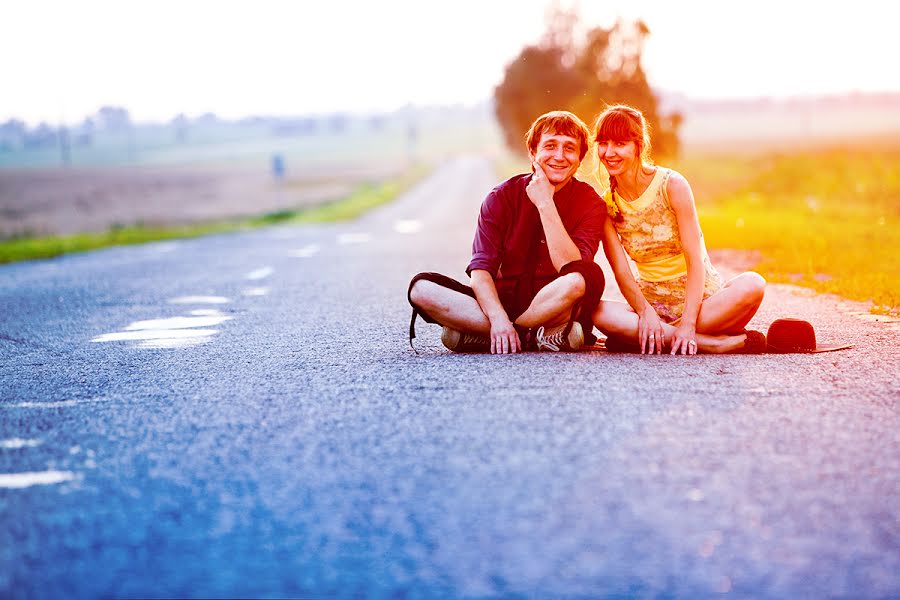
(132, 143)
(65, 146)
(412, 139)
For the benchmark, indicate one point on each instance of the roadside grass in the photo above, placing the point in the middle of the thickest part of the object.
(365, 197)
(826, 218)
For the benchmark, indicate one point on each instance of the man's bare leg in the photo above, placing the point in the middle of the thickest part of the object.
(617, 319)
(450, 308)
(552, 306)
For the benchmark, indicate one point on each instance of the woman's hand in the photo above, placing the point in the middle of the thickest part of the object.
(650, 331)
(504, 337)
(685, 339)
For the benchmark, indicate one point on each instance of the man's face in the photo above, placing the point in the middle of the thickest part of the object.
(559, 156)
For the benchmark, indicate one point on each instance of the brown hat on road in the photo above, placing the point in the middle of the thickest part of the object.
(795, 335)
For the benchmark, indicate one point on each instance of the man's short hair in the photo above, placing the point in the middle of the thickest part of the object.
(558, 122)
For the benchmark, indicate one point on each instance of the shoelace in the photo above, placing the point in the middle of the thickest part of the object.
(474, 338)
(555, 340)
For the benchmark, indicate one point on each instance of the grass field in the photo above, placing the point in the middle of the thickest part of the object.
(363, 198)
(822, 218)
(826, 218)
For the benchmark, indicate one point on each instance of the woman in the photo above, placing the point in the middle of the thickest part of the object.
(678, 302)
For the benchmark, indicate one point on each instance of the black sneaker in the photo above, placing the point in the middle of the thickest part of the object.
(458, 341)
(617, 344)
(556, 339)
(527, 339)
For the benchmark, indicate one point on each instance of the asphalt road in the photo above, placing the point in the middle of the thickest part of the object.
(241, 416)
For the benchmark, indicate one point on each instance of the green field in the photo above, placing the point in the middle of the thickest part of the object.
(822, 218)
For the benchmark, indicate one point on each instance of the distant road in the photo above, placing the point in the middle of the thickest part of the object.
(241, 416)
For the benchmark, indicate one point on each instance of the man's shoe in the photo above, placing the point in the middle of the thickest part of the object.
(555, 339)
(457, 341)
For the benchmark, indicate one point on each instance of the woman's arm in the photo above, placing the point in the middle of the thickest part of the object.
(650, 331)
(682, 200)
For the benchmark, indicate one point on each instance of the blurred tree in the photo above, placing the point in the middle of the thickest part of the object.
(582, 73)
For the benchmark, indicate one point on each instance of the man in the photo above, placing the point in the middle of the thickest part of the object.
(532, 266)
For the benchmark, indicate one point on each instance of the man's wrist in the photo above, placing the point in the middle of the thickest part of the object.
(546, 205)
(497, 316)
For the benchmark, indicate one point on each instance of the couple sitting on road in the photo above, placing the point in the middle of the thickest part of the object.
(534, 282)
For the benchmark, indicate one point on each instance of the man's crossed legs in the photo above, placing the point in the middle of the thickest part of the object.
(553, 316)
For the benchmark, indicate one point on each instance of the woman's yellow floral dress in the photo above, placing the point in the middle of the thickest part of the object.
(649, 233)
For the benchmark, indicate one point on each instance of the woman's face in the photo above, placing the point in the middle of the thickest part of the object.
(618, 157)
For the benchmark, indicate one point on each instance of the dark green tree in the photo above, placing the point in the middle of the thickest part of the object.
(583, 74)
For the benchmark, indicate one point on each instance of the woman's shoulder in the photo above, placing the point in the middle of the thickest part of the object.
(673, 180)
(676, 187)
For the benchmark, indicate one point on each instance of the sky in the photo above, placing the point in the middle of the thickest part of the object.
(62, 60)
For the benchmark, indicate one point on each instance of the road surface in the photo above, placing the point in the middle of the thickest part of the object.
(242, 416)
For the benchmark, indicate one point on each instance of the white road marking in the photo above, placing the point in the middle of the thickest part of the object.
(164, 247)
(24, 480)
(178, 323)
(171, 332)
(121, 336)
(205, 312)
(175, 342)
(260, 273)
(354, 238)
(258, 291)
(408, 226)
(305, 251)
(696, 495)
(199, 300)
(16, 443)
(57, 404)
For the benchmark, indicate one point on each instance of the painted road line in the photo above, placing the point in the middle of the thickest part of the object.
(260, 273)
(178, 323)
(257, 291)
(55, 404)
(354, 238)
(170, 342)
(122, 336)
(165, 247)
(16, 443)
(24, 480)
(205, 312)
(305, 252)
(170, 332)
(199, 300)
(408, 226)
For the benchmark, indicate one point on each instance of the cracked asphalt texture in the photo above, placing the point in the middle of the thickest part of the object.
(306, 451)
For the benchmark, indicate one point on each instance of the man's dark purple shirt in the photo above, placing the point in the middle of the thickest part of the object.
(509, 223)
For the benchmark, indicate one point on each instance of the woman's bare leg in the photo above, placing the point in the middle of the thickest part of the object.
(617, 319)
(731, 308)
